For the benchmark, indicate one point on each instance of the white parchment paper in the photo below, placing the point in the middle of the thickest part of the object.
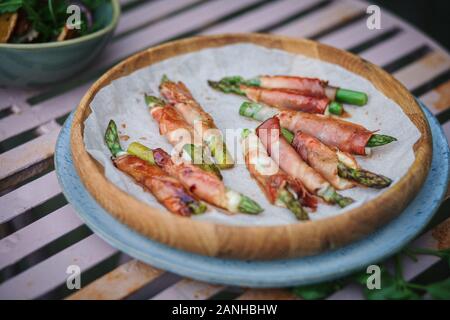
(122, 101)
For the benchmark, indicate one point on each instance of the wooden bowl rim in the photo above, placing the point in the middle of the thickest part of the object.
(251, 242)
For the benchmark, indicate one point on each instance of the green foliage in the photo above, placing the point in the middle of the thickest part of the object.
(393, 287)
(318, 291)
(49, 17)
(10, 5)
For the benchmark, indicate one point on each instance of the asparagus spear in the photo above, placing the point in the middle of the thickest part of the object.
(246, 205)
(196, 153)
(144, 153)
(284, 195)
(377, 140)
(259, 112)
(206, 186)
(112, 139)
(364, 177)
(231, 85)
(179, 95)
(330, 195)
(339, 94)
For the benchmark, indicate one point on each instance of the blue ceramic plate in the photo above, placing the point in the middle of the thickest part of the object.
(276, 273)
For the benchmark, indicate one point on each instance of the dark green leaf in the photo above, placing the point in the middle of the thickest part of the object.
(10, 6)
(317, 291)
(440, 290)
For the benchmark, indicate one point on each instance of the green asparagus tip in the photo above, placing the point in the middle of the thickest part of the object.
(351, 97)
(247, 205)
(152, 101)
(226, 87)
(112, 138)
(335, 108)
(341, 200)
(249, 109)
(197, 207)
(200, 159)
(139, 150)
(245, 133)
(288, 135)
(164, 79)
(377, 140)
(293, 204)
(364, 177)
(330, 195)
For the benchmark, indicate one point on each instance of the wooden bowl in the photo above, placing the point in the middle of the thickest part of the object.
(255, 242)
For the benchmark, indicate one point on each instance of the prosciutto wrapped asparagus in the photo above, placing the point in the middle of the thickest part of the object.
(279, 188)
(281, 98)
(307, 86)
(206, 185)
(166, 189)
(346, 136)
(339, 168)
(179, 133)
(287, 158)
(181, 98)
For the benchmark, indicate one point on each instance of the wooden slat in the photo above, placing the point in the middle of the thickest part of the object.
(423, 70)
(311, 24)
(36, 235)
(187, 289)
(438, 98)
(149, 11)
(51, 273)
(28, 196)
(263, 17)
(399, 45)
(29, 154)
(119, 283)
(355, 34)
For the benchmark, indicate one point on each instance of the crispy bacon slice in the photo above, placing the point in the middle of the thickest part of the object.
(287, 158)
(286, 99)
(167, 190)
(306, 86)
(269, 176)
(321, 158)
(346, 136)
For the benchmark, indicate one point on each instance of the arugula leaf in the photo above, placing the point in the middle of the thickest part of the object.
(10, 6)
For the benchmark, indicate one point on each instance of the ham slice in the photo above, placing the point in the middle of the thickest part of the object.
(269, 176)
(172, 125)
(346, 136)
(204, 185)
(287, 158)
(306, 86)
(166, 189)
(321, 158)
(286, 99)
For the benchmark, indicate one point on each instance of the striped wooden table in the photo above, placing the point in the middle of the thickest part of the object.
(40, 234)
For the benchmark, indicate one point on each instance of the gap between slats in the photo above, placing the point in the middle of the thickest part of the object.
(50, 273)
